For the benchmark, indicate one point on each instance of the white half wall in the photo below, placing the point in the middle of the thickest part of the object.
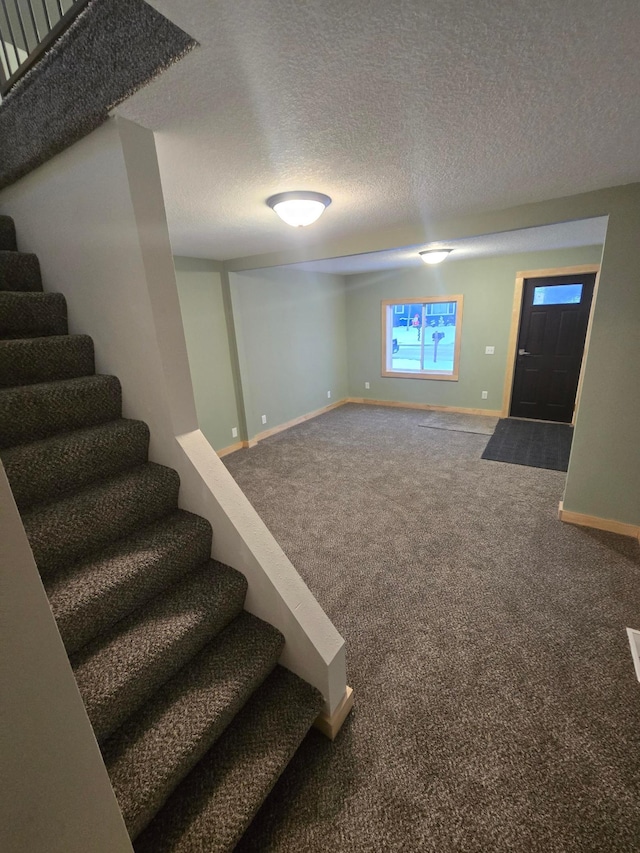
(95, 217)
(56, 795)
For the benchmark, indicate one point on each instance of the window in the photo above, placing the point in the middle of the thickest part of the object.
(422, 340)
(557, 294)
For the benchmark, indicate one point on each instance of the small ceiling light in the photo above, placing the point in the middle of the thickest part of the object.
(434, 256)
(299, 208)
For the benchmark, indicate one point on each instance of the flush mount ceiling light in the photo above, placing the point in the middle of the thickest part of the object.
(434, 256)
(299, 208)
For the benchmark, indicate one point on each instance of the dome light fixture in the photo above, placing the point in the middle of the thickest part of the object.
(299, 208)
(434, 256)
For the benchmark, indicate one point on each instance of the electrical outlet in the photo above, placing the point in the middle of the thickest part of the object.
(328, 395)
(489, 350)
(264, 419)
(485, 394)
(234, 432)
(367, 386)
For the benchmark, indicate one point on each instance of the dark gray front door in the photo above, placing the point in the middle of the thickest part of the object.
(553, 327)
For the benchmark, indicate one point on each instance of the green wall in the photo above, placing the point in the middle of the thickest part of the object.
(202, 304)
(487, 285)
(604, 470)
(291, 333)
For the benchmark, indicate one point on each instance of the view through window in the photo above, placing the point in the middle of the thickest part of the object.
(421, 337)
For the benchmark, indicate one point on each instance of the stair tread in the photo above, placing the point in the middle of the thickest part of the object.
(34, 360)
(46, 469)
(157, 747)
(29, 314)
(19, 271)
(120, 670)
(31, 412)
(215, 803)
(90, 596)
(164, 656)
(65, 530)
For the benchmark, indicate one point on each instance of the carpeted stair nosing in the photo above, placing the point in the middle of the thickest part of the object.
(213, 805)
(7, 234)
(89, 597)
(120, 670)
(28, 314)
(156, 748)
(19, 271)
(32, 412)
(45, 470)
(36, 360)
(68, 529)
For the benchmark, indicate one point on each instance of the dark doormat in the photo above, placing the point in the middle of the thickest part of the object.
(533, 443)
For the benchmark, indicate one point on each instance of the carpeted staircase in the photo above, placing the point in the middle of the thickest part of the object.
(193, 715)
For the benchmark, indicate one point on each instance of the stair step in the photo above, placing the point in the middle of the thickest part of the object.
(7, 234)
(47, 469)
(89, 597)
(31, 315)
(32, 412)
(117, 673)
(27, 361)
(65, 531)
(159, 745)
(216, 802)
(19, 271)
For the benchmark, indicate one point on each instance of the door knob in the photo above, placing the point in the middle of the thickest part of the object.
(524, 352)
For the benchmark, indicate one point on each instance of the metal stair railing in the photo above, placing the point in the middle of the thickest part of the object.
(27, 29)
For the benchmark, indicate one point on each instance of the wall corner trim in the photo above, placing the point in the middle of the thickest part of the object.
(608, 524)
(330, 724)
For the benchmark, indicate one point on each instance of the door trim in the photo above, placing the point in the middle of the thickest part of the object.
(512, 345)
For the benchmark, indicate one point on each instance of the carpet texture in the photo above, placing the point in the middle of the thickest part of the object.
(30, 361)
(8, 241)
(19, 271)
(534, 443)
(110, 51)
(163, 653)
(192, 813)
(30, 314)
(157, 747)
(460, 422)
(496, 705)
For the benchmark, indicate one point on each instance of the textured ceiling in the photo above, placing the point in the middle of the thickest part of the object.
(566, 235)
(402, 111)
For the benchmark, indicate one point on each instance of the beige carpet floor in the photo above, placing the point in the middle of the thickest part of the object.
(497, 709)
